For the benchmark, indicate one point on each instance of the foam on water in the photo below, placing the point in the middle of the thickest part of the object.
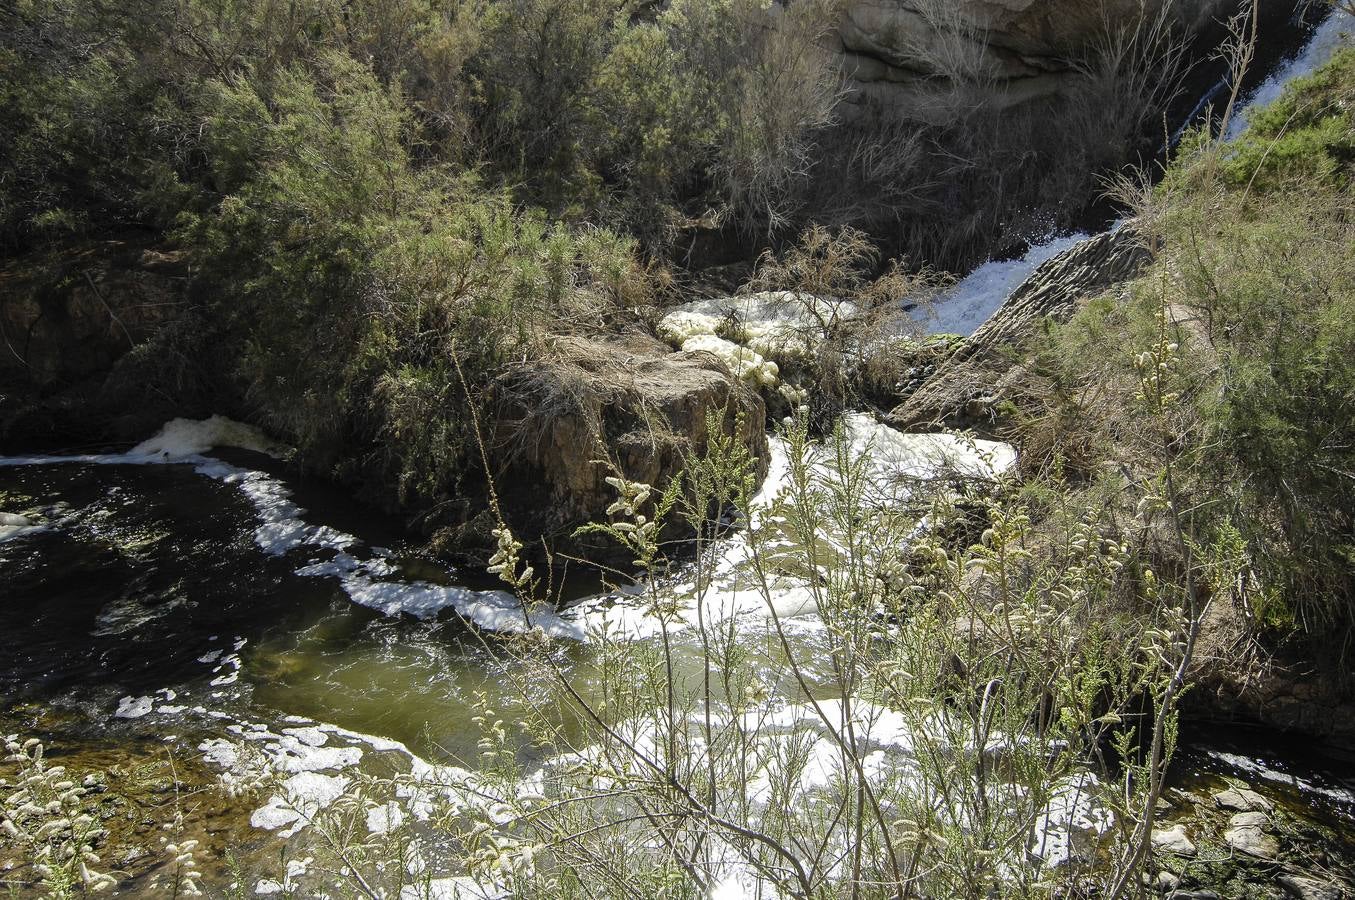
(282, 530)
(892, 466)
(971, 302)
(187, 437)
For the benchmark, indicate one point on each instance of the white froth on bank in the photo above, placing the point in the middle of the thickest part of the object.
(794, 761)
(188, 437)
(778, 325)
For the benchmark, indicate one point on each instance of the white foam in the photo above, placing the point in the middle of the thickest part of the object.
(972, 301)
(778, 325)
(492, 610)
(381, 819)
(188, 437)
(282, 530)
(134, 707)
(745, 362)
(1074, 809)
(462, 887)
(892, 465)
(303, 796)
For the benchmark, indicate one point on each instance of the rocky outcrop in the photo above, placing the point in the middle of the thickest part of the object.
(78, 360)
(81, 312)
(915, 56)
(1239, 680)
(962, 387)
(593, 408)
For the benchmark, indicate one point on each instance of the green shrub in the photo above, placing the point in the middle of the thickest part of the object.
(1256, 279)
(359, 282)
(1306, 137)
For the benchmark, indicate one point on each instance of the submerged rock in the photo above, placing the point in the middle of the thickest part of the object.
(13, 525)
(1173, 840)
(1310, 888)
(1242, 800)
(1247, 834)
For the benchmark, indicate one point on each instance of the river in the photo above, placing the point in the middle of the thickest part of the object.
(168, 606)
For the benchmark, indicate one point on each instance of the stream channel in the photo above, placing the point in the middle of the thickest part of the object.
(173, 604)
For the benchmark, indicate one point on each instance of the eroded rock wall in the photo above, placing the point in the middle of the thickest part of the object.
(912, 57)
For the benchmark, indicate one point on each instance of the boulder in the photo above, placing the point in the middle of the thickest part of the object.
(80, 360)
(1242, 678)
(593, 408)
(1242, 800)
(1173, 840)
(1247, 834)
(74, 315)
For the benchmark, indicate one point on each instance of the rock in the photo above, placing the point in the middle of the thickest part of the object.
(1268, 684)
(1249, 820)
(647, 405)
(1193, 895)
(114, 295)
(1173, 840)
(1246, 834)
(1243, 800)
(915, 56)
(1310, 888)
(81, 365)
(974, 369)
(1168, 881)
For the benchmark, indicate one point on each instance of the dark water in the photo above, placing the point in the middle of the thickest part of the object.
(145, 571)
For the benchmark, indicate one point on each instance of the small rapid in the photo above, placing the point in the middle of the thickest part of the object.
(973, 300)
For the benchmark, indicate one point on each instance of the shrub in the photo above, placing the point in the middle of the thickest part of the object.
(360, 283)
(1254, 279)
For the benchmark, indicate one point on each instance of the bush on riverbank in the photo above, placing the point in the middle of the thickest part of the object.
(1255, 282)
(374, 299)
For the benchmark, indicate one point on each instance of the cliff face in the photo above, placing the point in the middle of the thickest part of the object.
(911, 57)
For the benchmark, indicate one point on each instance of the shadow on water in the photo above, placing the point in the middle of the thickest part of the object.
(147, 577)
